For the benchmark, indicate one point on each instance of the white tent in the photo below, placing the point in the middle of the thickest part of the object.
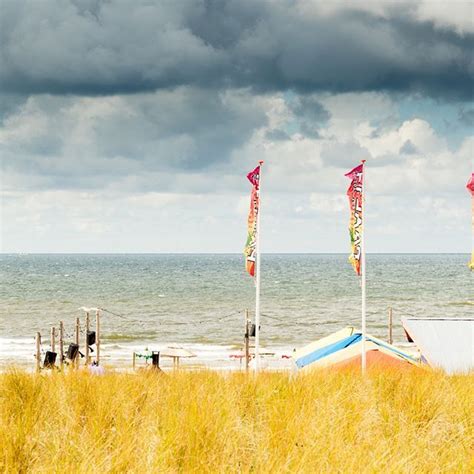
(445, 343)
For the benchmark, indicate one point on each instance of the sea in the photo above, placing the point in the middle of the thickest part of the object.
(199, 301)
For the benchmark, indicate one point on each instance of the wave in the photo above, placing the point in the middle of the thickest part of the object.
(460, 303)
(128, 337)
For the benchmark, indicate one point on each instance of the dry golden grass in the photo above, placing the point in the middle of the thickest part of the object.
(209, 422)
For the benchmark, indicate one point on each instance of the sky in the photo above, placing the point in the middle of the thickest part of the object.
(131, 126)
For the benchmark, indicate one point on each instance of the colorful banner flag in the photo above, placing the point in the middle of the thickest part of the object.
(355, 225)
(251, 245)
(470, 185)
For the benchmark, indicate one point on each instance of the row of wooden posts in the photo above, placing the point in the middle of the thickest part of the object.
(75, 362)
(77, 329)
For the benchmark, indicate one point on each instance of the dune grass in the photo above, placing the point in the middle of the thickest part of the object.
(208, 422)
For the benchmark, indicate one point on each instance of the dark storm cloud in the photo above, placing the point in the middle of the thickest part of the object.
(100, 47)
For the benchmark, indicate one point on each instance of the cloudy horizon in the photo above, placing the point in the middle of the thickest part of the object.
(130, 127)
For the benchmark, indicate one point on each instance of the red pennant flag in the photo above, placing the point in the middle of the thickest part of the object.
(254, 176)
(470, 185)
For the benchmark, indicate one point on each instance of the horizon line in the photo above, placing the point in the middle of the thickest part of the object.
(228, 253)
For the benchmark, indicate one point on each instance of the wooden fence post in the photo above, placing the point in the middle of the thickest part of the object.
(61, 344)
(86, 337)
(247, 338)
(78, 325)
(97, 336)
(53, 339)
(38, 352)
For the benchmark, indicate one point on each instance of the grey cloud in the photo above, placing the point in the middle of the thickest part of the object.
(343, 154)
(98, 47)
(466, 116)
(408, 148)
(186, 128)
(276, 134)
(310, 114)
(9, 104)
(72, 142)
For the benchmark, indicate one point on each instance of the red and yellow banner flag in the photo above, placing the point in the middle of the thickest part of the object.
(356, 206)
(251, 244)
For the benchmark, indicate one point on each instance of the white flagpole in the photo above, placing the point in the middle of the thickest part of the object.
(257, 276)
(471, 263)
(363, 279)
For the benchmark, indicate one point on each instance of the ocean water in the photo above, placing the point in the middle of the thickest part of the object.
(198, 301)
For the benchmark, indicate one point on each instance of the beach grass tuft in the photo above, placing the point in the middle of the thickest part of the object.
(389, 421)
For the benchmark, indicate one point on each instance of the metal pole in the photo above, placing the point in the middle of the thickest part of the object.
(363, 275)
(257, 281)
(390, 326)
(471, 264)
(61, 344)
(86, 336)
(97, 336)
(38, 352)
(53, 339)
(247, 337)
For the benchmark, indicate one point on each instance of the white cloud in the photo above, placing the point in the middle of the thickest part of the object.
(328, 203)
(455, 14)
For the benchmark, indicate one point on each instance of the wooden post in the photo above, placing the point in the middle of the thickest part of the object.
(390, 326)
(247, 340)
(134, 360)
(85, 336)
(78, 326)
(61, 344)
(53, 339)
(97, 336)
(38, 352)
